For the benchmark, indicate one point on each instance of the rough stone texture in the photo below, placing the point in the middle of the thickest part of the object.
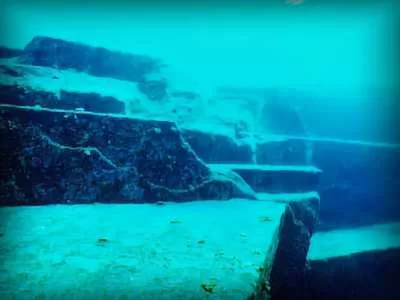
(67, 89)
(240, 186)
(285, 265)
(57, 155)
(25, 96)
(367, 275)
(96, 61)
(359, 185)
(7, 70)
(143, 245)
(50, 156)
(6, 52)
(17, 95)
(91, 102)
(218, 148)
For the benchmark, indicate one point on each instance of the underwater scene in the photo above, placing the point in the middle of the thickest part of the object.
(164, 151)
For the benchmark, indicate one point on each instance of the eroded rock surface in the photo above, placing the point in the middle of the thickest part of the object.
(51, 52)
(56, 156)
(354, 263)
(285, 266)
(26, 96)
(368, 275)
(360, 183)
(6, 52)
(218, 148)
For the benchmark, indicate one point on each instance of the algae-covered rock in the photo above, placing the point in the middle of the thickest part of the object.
(62, 156)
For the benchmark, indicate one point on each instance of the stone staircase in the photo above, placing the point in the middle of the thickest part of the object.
(354, 253)
(273, 233)
(359, 212)
(69, 140)
(98, 165)
(80, 148)
(275, 179)
(285, 179)
(362, 261)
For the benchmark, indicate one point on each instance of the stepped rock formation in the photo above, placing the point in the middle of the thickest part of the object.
(86, 125)
(96, 61)
(59, 156)
(81, 124)
(360, 185)
(74, 146)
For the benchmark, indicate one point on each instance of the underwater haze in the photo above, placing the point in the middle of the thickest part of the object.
(341, 56)
(205, 151)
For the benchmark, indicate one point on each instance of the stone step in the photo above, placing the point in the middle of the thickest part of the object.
(167, 251)
(274, 150)
(213, 148)
(27, 85)
(286, 259)
(6, 52)
(357, 263)
(287, 197)
(275, 178)
(283, 150)
(62, 156)
(23, 95)
(343, 242)
(95, 61)
(359, 184)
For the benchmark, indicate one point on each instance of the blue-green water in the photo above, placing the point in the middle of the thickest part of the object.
(199, 152)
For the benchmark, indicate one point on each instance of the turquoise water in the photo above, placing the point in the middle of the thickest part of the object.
(202, 152)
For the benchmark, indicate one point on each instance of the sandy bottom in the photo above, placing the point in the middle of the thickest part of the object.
(173, 251)
(337, 243)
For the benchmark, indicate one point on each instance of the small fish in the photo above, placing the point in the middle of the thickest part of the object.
(294, 2)
(265, 219)
(102, 241)
(175, 221)
(209, 287)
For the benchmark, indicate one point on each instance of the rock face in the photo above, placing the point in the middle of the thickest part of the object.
(359, 185)
(56, 156)
(9, 52)
(285, 266)
(71, 140)
(96, 61)
(274, 179)
(367, 275)
(85, 125)
(218, 148)
(354, 263)
(289, 151)
(51, 52)
(25, 96)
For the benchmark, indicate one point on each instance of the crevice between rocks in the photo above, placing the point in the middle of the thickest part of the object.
(286, 261)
